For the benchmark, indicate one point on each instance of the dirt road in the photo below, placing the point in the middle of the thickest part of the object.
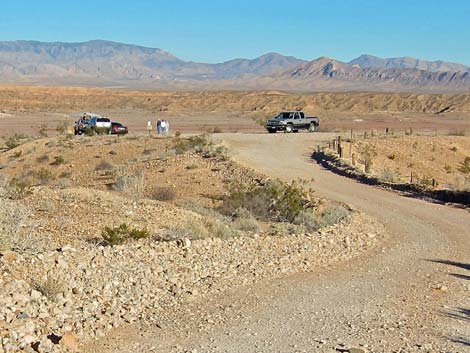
(411, 294)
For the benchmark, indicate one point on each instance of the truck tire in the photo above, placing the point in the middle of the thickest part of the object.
(272, 131)
(311, 128)
(289, 128)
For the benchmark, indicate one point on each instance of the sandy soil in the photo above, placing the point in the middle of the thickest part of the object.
(23, 109)
(410, 295)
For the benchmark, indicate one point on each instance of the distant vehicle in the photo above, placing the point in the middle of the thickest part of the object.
(118, 129)
(98, 123)
(292, 122)
(91, 122)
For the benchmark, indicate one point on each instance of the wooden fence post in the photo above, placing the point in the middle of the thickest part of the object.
(353, 159)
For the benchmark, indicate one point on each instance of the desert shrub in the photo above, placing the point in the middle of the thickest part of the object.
(328, 217)
(50, 287)
(273, 200)
(218, 229)
(368, 152)
(389, 175)
(448, 168)
(196, 207)
(191, 166)
(42, 130)
(465, 166)
(58, 160)
(132, 184)
(101, 130)
(63, 183)
(427, 182)
(199, 143)
(65, 174)
(454, 149)
(17, 230)
(177, 134)
(120, 234)
(456, 133)
(393, 156)
(191, 229)
(62, 127)
(333, 215)
(307, 219)
(43, 175)
(163, 193)
(18, 189)
(245, 221)
(17, 154)
(89, 131)
(103, 165)
(12, 142)
(42, 159)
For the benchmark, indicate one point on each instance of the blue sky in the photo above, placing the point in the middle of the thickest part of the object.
(214, 31)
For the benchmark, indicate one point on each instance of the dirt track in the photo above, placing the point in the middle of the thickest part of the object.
(412, 294)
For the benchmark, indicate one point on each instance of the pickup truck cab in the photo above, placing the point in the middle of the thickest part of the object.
(292, 122)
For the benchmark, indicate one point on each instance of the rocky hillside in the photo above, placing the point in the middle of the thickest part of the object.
(365, 61)
(104, 63)
(326, 73)
(71, 273)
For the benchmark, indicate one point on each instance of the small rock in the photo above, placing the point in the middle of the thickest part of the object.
(356, 350)
(9, 256)
(69, 341)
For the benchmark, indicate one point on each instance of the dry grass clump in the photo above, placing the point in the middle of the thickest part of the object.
(389, 176)
(43, 176)
(50, 287)
(163, 193)
(314, 221)
(17, 230)
(245, 221)
(133, 185)
(103, 165)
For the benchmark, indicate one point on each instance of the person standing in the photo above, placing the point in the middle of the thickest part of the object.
(163, 127)
(167, 126)
(159, 127)
(149, 127)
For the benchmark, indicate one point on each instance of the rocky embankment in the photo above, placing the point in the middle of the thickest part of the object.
(53, 301)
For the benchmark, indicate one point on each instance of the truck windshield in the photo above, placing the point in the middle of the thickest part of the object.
(282, 116)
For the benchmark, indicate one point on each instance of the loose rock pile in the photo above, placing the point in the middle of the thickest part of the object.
(50, 301)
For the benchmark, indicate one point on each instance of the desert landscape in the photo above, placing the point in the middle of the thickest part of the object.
(342, 224)
(217, 206)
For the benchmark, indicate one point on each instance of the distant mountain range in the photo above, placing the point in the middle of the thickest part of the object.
(104, 63)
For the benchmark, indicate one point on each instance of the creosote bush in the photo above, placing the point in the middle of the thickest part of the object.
(273, 200)
(58, 160)
(122, 233)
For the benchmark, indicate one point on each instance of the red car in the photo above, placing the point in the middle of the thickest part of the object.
(118, 129)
